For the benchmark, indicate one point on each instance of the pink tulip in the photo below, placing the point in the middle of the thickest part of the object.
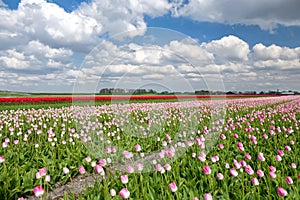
(137, 147)
(278, 158)
(272, 174)
(164, 143)
(207, 196)
(265, 136)
(221, 146)
(227, 166)
(289, 180)
(220, 176)
(214, 159)
(170, 153)
(99, 170)
(111, 150)
(124, 193)
(287, 148)
(202, 157)
(255, 181)
(293, 165)
(261, 157)
(38, 191)
(4, 144)
(249, 170)
(241, 148)
(222, 136)
(88, 159)
(124, 179)
(281, 192)
(236, 164)
(47, 178)
(233, 172)
(272, 168)
(206, 170)
(248, 156)
(81, 169)
(158, 167)
(129, 169)
(280, 152)
(243, 163)
(102, 162)
(43, 171)
(260, 173)
(167, 167)
(108, 150)
(38, 175)
(173, 187)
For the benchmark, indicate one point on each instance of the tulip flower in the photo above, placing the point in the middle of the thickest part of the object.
(173, 187)
(289, 180)
(255, 181)
(206, 170)
(233, 172)
(124, 179)
(38, 191)
(81, 169)
(124, 193)
(112, 192)
(281, 192)
(260, 173)
(207, 196)
(220, 176)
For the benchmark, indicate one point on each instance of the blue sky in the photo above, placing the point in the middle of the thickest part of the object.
(70, 46)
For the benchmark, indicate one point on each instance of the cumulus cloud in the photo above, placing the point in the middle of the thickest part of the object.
(273, 52)
(265, 13)
(228, 48)
(229, 60)
(80, 29)
(35, 56)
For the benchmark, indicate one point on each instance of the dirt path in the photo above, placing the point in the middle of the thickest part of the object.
(75, 186)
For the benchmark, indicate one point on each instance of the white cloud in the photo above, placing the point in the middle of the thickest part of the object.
(13, 59)
(36, 56)
(119, 16)
(48, 23)
(229, 48)
(276, 59)
(265, 13)
(272, 52)
(80, 29)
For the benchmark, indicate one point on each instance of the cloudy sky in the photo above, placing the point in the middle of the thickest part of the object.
(181, 45)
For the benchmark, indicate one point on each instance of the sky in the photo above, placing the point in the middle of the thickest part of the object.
(182, 45)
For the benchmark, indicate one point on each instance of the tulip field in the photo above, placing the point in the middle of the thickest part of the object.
(244, 148)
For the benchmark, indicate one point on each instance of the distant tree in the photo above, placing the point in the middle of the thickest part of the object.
(151, 91)
(105, 91)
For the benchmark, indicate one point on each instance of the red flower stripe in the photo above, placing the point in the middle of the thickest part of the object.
(116, 98)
